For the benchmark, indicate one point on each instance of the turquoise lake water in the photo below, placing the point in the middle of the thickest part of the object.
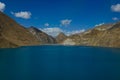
(60, 63)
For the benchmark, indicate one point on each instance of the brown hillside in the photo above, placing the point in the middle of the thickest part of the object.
(104, 36)
(61, 37)
(13, 33)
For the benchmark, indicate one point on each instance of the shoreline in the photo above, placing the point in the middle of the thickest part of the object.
(72, 46)
(61, 45)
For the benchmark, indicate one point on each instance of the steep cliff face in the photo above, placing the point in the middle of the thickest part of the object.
(41, 36)
(104, 36)
(12, 34)
(61, 37)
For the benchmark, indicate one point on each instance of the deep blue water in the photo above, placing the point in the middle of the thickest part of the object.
(60, 63)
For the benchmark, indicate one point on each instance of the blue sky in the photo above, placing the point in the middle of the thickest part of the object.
(69, 16)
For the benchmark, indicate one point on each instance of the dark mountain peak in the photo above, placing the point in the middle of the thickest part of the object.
(61, 34)
(61, 37)
(35, 29)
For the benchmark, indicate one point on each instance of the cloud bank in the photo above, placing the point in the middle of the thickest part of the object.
(99, 24)
(65, 22)
(56, 31)
(2, 6)
(115, 8)
(22, 14)
(115, 18)
(52, 31)
(46, 24)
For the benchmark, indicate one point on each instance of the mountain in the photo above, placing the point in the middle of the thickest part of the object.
(61, 37)
(41, 36)
(107, 35)
(12, 34)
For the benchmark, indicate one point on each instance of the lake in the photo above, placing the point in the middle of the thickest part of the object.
(60, 63)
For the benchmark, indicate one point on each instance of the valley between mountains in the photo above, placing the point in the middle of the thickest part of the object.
(14, 35)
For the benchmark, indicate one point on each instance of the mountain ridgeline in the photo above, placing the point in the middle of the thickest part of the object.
(107, 35)
(41, 36)
(13, 35)
(61, 37)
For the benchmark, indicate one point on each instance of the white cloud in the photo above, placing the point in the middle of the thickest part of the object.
(99, 24)
(22, 14)
(115, 8)
(56, 31)
(52, 31)
(46, 24)
(115, 18)
(2, 6)
(65, 22)
(68, 33)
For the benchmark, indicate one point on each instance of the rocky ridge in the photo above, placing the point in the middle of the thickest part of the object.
(41, 36)
(103, 36)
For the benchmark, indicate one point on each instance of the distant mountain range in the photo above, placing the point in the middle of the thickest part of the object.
(107, 35)
(13, 35)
